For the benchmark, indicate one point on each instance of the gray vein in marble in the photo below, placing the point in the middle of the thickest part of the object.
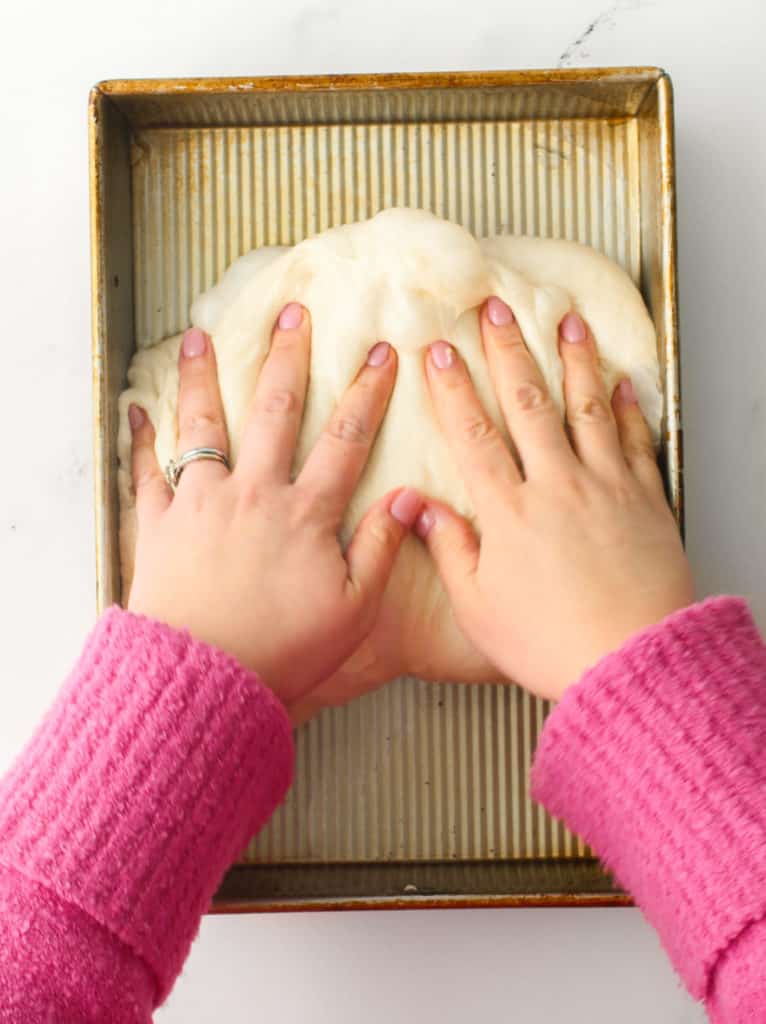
(606, 19)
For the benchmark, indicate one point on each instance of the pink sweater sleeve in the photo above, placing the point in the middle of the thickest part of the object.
(158, 761)
(657, 757)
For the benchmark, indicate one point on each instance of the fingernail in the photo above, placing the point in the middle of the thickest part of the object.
(378, 354)
(291, 316)
(498, 312)
(406, 505)
(442, 355)
(424, 523)
(627, 391)
(572, 328)
(195, 343)
(136, 417)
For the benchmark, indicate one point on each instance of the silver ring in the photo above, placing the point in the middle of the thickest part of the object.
(175, 467)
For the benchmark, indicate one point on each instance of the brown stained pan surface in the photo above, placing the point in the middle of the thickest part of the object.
(188, 175)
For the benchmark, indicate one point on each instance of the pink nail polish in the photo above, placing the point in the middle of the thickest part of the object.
(572, 328)
(378, 354)
(424, 523)
(627, 392)
(291, 316)
(136, 417)
(406, 505)
(195, 343)
(498, 312)
(442, 355)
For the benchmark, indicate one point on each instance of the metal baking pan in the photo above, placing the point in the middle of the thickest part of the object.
(416, 795)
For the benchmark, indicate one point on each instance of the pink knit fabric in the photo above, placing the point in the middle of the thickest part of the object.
(738, 986)
(162, 756)
(159, 760)
(59, 966)
(657, 757)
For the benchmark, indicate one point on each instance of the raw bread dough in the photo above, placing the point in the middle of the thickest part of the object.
(407, 277)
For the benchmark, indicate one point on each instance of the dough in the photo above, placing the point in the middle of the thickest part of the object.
(407, 277)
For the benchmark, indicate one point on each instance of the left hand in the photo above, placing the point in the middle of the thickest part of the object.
(249, 560)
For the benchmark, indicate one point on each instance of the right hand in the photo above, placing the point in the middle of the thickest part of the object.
(579, 549)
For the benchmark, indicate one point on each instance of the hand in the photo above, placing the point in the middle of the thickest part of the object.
(578, 548)
(248, 560)
(395, 647)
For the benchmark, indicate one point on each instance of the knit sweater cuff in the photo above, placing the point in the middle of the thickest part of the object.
(158, 761)
(657, 759)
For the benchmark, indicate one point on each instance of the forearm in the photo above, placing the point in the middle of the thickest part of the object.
(657, 758)
(58, 964)
(159, 760)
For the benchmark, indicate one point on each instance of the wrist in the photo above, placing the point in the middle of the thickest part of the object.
(623, 631)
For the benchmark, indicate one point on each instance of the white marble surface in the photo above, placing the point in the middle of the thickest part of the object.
(525, 966)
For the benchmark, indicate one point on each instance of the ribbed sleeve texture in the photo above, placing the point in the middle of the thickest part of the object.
(657, 757)
(158, 761)
(162, 756)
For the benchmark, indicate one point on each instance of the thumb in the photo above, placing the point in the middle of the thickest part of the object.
(451, 542)
(152, 492)
(377, 539)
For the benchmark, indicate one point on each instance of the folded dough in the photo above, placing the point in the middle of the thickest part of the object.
(407, 277)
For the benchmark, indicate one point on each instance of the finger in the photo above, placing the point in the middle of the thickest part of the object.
(636, 438)
(530, 414)
(334, 466)
(201, 421)
(274, 419)
(590, 418)
(376, 541)
(452, 543)
(483, 458)
(152, 492)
